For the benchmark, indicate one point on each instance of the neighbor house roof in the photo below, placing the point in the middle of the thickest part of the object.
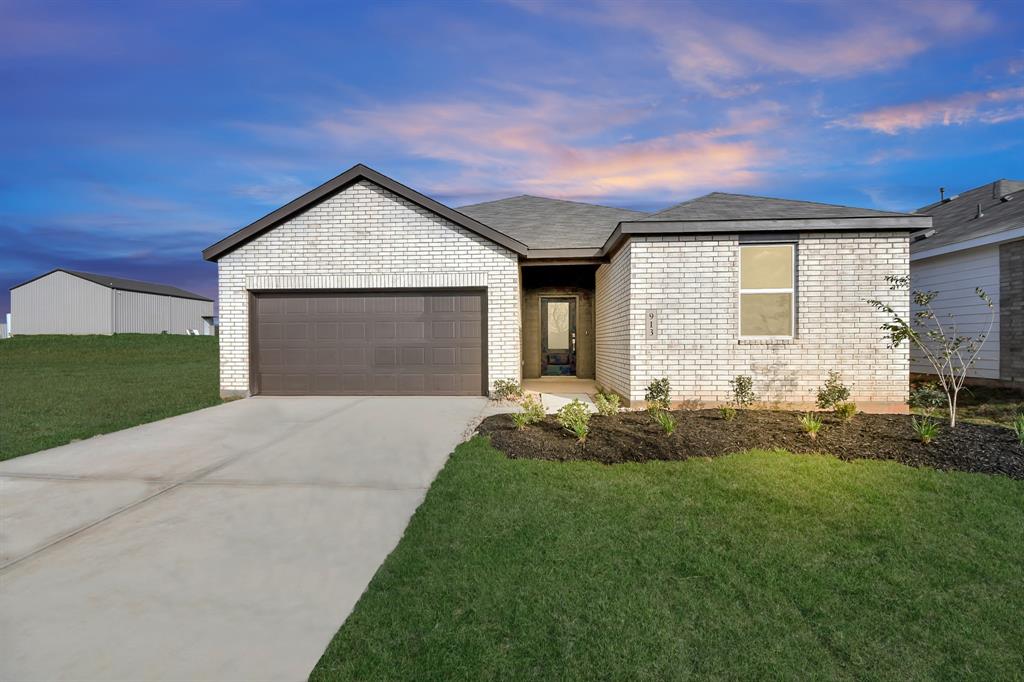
(537, 227)
(123, 284)
(542, 223)
(957, 225)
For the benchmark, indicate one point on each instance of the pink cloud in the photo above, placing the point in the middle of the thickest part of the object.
(728, 57)
(553, 144)
(992, 106)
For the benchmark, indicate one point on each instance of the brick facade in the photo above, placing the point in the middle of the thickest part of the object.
(1011, 312)
(368, 237)
(692, 282)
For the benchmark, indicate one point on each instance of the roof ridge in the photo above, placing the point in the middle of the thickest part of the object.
(681, 203)
(563, 201)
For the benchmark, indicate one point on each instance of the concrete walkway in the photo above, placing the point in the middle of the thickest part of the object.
(225, 544)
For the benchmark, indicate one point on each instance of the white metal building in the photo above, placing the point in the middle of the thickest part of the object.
(70, 302)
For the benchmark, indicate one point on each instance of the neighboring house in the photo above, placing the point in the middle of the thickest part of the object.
(978, 241)
(365, 286)
(71, 302)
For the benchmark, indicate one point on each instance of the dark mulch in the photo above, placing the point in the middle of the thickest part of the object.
(635, 437)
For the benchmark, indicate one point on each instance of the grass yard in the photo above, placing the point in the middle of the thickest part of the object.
(55, 389)
(755, 565)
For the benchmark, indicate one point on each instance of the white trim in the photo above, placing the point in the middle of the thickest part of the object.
(999, 237)
(791, 290)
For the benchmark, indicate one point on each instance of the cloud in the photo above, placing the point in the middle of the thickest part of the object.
(727, 57)
(550, 143)
(991, 107)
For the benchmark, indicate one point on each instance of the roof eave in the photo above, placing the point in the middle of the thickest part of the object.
(339, 183)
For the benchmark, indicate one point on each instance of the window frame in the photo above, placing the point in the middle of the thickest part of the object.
(791, 290)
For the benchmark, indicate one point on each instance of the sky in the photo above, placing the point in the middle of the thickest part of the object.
(135, 134)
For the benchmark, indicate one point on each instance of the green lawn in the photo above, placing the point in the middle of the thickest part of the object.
(755, 565)
(55, 389)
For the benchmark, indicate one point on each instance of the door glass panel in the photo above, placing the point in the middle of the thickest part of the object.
(558, 324)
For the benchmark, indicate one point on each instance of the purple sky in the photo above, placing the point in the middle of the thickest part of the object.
(135, 134)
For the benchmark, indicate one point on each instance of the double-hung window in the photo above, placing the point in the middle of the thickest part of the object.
(767, 305)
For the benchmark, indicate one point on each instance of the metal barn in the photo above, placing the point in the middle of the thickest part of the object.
(71, 302)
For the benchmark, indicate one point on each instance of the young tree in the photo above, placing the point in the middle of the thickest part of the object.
(950, 353)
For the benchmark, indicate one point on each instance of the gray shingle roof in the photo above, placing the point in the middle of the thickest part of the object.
(135, 285)
(723, 206)
(542, 223)
(954, 220)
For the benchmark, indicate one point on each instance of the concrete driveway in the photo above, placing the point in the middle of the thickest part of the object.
(224, 544)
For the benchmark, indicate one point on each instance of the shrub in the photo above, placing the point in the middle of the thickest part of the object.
(833, 392)
(728, 412)
(607, 403)
(507, 389)
(657, 395)
(533, 412)
(926, 429)
(666, 421)
(846, 411)
(574, 417)
(811, 424)
(927, 396)
(1018, 428)
(742, 390)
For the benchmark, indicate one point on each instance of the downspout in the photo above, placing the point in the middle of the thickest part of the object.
(113, 307)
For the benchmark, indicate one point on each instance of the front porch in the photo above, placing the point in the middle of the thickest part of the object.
(557, 391)
(558, 321)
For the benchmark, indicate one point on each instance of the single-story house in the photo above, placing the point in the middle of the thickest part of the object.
(977, 240)
(71, 302)
(365, 286)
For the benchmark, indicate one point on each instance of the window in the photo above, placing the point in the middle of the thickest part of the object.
(766, 290)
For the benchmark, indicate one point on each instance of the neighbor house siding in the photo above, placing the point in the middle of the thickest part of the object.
(612, 323)
(140, 313)
(59, 303)
(692, 283)
(954, 278)
(367, 237)
(1011, 312)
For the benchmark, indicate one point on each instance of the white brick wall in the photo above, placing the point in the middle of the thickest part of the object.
(693, 282)
(368, 237)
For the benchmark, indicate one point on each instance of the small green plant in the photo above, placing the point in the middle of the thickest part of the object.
(928, 397)
(728, 412)
(743, 390)
(811, 424)
(833, 392)
(607, 403)
(926, 429)
(657, 396)
(574, 417)
(666, 421)
(846, 411)
(507, 389)
(1018, 428)
(533, 412)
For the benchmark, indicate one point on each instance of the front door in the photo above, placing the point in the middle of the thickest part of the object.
(557, 336)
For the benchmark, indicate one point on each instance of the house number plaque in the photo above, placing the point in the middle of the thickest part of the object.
(652, 324)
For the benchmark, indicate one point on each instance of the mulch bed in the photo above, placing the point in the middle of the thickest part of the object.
(635, 437)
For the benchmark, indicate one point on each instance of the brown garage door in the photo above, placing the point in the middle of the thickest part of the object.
(416, 343)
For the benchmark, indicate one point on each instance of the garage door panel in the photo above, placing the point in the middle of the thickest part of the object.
(362, 344)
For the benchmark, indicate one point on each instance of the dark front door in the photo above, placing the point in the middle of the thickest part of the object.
(380, 343)
(558, 336)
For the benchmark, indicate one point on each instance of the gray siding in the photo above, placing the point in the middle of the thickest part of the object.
(139, 313)
(954, 276)
(61, 304)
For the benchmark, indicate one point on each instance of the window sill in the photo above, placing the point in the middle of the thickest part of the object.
(766, 342)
